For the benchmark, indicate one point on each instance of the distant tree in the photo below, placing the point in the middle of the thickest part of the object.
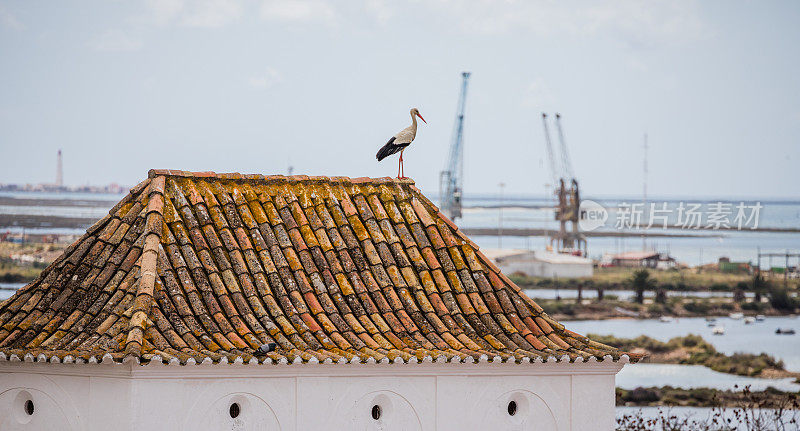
(760, 285)
(779, 299)
(661, 295)
(738, 293)
(640, 282)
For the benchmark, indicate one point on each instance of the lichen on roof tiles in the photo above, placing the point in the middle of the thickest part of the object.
(197, 267)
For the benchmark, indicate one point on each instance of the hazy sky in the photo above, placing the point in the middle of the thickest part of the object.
(253, 86)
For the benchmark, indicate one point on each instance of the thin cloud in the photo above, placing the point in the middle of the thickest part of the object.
(638, 64)
(8, 20)
(265, 80)
(213, 13)
(382, 10)
(200, 13)
(538, 94)
(299, 11)
(164, 11)
(116, 41)
(635, 22)
(638, 24)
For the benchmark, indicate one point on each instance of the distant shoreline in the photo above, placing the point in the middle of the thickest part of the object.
(40, 202)
(8, 221)
(668, 396)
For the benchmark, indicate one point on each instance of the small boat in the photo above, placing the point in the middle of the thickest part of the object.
(748, 320)
(785, 331)
(665, 319)
(760, 318)
(718, 330)
(736, 316)
(711, 319)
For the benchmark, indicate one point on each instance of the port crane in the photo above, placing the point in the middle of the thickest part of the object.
(567, 192)
(549, 146)
(566, 163)
(451, 178)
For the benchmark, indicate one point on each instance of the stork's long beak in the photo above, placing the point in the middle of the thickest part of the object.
(420, 117)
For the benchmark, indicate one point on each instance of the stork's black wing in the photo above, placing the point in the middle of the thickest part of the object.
(390, 148)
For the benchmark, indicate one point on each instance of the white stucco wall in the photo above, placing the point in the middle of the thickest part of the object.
(538, 268)
(427, 396)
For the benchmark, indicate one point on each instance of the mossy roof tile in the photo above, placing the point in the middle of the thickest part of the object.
(203, 265)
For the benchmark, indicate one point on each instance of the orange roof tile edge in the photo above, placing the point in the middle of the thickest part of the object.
(197, 267)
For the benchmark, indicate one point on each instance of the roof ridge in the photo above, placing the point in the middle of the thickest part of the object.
(147, 266)
(152, 173)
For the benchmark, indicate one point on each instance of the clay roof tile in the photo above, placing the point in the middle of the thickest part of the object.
(200, 266)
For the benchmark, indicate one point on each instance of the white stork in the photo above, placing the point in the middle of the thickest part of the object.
(400, 141)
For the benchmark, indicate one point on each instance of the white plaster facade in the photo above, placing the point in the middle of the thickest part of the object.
(543, 264)
(427, 396)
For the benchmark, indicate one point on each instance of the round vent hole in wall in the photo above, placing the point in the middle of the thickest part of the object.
(512, 408)
(376, 412)
(235, 410)
(29, 407)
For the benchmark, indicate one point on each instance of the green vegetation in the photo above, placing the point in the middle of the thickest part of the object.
(686, 279)
(697, 307)
(779, 299)
(759, 285)
(641, 281)
(14, 271)
(667, 395)
(561, 308)
(702, 397)
(600, 304)
(611, 307)
(11, 272)
(694, 350)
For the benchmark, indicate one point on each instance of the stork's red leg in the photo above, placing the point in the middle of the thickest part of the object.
(402, 168)
(399, 161)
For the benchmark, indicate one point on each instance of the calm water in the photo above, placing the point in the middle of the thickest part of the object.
(694, 376)
(104, 202)
(755, 338)
(8, 289)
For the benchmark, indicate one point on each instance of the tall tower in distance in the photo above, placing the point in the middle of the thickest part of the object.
(59, 171)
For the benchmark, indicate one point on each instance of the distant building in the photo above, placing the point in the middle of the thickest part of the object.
(646, 259)
(725, 265)
(211, 301)
(59, 171)
(542, 263)
(112, 188)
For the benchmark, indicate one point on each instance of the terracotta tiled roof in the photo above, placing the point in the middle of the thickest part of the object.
(194, 267)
